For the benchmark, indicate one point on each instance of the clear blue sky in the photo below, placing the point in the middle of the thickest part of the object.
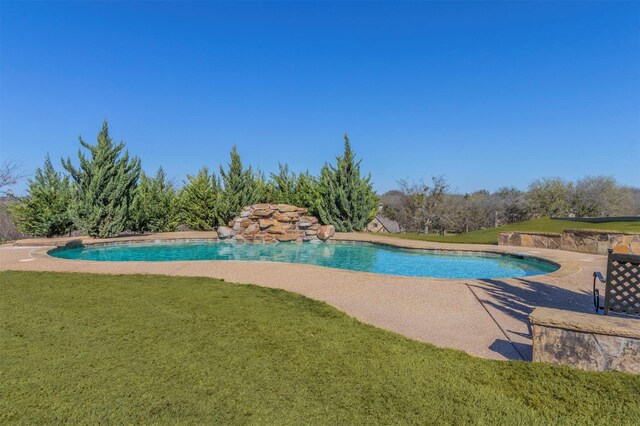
(487, 94)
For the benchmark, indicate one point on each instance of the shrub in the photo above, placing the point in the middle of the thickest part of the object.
(299, 190)
(154, 206)
(45, 210)
(200, 201)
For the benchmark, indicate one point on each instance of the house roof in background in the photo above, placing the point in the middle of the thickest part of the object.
(389, 225)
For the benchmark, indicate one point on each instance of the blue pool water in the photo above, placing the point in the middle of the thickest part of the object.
(353, 256)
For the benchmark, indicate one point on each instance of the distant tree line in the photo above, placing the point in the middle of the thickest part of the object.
(432, 207)
(106, 193)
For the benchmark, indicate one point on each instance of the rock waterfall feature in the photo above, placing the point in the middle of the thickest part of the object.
(275, 222)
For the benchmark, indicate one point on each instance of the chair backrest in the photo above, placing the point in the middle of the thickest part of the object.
(622, 292)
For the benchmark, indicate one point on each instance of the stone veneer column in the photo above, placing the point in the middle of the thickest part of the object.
(586, 341)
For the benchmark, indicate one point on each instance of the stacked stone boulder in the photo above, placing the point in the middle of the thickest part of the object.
(273, 223)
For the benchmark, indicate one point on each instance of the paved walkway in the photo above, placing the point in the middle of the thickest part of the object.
(485, 318)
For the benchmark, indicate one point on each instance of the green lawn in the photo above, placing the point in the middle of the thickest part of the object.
(89, 349)
(490, 236)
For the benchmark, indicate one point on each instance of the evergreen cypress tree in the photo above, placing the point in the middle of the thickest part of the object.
(140, 213)
(240, 188)
(298, 189)
(284, 183)
(104, 186)
(45, 211)
(265, 188)
(347, 200)
(199, 201)
(307, 192)
(154, 204)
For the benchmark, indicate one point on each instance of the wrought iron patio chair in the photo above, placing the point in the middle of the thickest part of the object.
(622, 285)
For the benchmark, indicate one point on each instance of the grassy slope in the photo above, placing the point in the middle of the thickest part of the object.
(490, 236)
(126, 349)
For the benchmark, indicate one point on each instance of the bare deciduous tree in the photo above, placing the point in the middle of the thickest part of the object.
(510, 206)
(549, 197)
(595, 196)
(10, 174)
(421, 207)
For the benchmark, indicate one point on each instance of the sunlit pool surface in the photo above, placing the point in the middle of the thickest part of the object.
(363, 257)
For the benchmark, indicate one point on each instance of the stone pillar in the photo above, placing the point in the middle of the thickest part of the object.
(586, 341)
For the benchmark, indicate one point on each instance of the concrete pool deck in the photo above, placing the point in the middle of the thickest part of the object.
(485, 318)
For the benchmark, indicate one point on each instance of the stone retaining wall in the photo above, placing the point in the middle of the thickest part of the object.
(530, 239)
(275, 222)
(592, 242)
(586, 341)
(598, 242)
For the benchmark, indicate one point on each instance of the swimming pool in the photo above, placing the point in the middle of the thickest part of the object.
(355, 256)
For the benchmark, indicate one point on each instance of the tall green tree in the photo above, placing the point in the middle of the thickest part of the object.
(241, 188)
(265, 188)
(297, 189)
(284, 185)
(154, 207)
(45, 210)
(200, 201)
(105, 182)
(307, 192)
(346, 198)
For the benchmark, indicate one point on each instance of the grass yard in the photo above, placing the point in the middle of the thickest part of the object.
(79, 348)
(490, 236)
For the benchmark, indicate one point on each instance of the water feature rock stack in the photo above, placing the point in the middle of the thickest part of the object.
(275, 222)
